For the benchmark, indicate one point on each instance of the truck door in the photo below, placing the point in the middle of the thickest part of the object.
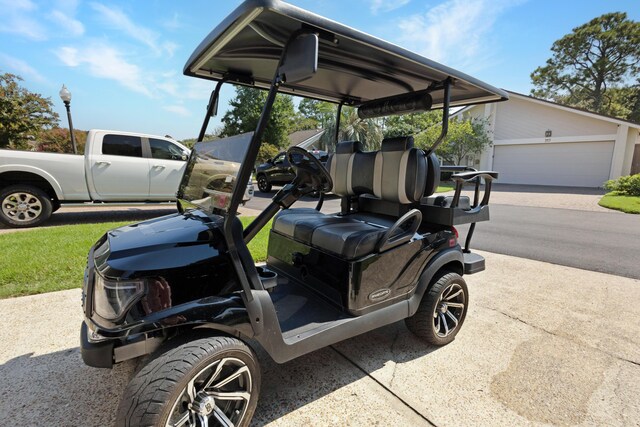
(121, 172)
(166, 167)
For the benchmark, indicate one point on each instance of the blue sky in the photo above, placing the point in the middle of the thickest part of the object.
(123, 61)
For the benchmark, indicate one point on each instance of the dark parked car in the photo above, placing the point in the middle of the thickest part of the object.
(278, 171)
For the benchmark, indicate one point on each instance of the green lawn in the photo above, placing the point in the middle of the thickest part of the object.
(628, 204)
(53, 259)
(443, 188)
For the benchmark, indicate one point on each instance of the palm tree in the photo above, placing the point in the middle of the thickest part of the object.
(352, 127)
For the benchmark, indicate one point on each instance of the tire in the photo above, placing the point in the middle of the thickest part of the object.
(55, 205)
(24, 206)
(157, 395)
(263, 184)
(436, 321)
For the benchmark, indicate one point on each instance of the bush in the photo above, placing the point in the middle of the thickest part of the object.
(267, 152)
(625, 185)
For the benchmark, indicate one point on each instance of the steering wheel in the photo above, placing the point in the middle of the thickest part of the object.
(310, 172)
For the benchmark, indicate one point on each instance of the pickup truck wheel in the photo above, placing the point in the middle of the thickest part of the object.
(442, 310)
(210, 381)
(263, 184)
(24, 206)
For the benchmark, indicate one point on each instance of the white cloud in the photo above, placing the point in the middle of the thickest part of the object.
(117, 19)
(16, 17)
(68, 24)
(178, 109)
(173, 24)
(104, 61)
(456, 32)
(20, 67)
(386, 5)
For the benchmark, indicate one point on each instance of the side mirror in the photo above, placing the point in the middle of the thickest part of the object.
(301, 60)
(184, 157)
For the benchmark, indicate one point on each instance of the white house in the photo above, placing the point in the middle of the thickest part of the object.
(544, 143)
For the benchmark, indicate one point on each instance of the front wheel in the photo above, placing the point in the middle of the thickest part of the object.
(206, 382)
(263, 184)
(24, 206)
(442, 310)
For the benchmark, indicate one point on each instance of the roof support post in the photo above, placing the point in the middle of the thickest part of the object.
(337, 133)
(445, 114)
(211, 109)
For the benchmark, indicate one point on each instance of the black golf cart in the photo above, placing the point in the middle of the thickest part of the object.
(184, 288)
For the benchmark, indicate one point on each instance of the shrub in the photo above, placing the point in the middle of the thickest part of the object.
(625, 185)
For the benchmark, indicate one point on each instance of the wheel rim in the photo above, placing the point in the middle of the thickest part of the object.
(449, 310)
(218, 395)
(262, 183)
(21, 207)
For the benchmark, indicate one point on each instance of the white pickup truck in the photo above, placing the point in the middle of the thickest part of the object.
(116, 167)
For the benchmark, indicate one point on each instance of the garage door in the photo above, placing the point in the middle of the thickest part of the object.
(577, 164)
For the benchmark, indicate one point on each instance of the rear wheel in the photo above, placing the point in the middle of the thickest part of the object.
(263, 184)
(24, 206)
(206, 382)
(442, 310)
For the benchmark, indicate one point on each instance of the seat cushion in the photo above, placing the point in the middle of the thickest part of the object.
(349, 238)
(345, 236)
(299, 223)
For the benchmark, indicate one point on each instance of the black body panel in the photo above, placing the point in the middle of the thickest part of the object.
(362, 285)
(188, 276)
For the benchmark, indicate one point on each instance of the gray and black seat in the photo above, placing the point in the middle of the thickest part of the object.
(393, 180)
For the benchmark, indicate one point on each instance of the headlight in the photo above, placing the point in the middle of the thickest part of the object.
(113, 298)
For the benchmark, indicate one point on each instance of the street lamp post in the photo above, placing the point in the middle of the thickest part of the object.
(65, 95)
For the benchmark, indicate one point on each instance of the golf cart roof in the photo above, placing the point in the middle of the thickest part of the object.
(353, 67)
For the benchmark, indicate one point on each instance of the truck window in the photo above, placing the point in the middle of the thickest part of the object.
(163, 149)
(122, 145)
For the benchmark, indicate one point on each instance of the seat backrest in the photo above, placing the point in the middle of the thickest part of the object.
(401, 176)
(340, 166)
(396, 174)
(433, 174)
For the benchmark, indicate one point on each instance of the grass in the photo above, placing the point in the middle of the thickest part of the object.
(53, 259)
(444, 188)
(627, 204)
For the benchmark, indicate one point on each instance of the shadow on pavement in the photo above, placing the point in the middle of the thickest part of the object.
(59, 389)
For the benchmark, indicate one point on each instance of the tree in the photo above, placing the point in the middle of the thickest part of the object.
(23, 114)
(590, 63)
(57, 140)
(245, 112)
(464, 138)
(352, 127)
(410, 124)
(319, 111)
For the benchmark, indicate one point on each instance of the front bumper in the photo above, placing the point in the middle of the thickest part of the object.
(97, 354)
(105, 353)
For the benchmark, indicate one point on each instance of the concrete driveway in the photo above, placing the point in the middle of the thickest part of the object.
(542, 344)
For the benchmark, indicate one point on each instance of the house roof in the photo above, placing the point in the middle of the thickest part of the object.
(304, 138)
(581, 111)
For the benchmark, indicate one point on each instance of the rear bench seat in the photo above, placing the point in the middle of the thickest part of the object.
(396, 174)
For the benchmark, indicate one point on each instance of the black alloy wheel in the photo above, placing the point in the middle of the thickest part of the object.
(203, 383)
(263, 184)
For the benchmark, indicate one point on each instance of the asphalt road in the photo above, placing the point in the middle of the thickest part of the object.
(608, 242)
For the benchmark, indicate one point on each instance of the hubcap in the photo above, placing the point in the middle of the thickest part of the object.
(218, 395)
(448, 310)
(21, 207)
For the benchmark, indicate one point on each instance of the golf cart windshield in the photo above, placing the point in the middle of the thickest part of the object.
(211, 173)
